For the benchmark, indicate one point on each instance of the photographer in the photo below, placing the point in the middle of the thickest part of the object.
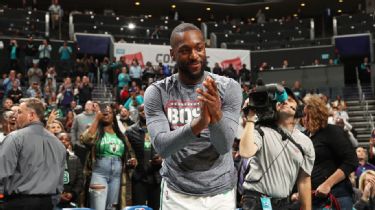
(280, 155)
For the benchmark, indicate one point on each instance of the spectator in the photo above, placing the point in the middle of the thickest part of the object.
(15, 93)
(65, 52)
(135, 72)
(285, 64)
(244, 74)
(2, 86)
(261, 17)
(65, 95)
(146, 178)
(166, 70)
(92, 68)
(8, 82)
(14, 54)
(31, 51)
(110, 148)
(365, 71)
(69, 119)
(132, 104)
(48, 95)
(148, 74)
(298, 90)
(217, 69)
(34, 90)
(366, 187)
(333, 164)
(44, 54)
(35, 74)
(104, 70)
(73, 168)
(55, 126)
(79, 68)
(371, 149)
(9, 124)
(56, 13)
(364, 165)
(124, 94)
(34, 173)
(347, 129)
(124, 118)
(80, 124)
(264, 66)
(7, 104)
(51, 78)
(230, 72)
(123, 78)
(85, 91)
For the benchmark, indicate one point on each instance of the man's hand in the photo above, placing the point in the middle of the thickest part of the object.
(211, 99)
(66, 197)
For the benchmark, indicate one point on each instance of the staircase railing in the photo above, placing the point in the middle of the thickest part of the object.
(364, 104)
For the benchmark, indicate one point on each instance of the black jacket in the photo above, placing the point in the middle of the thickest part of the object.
(145, 171)
(74, 169)
(333, 151)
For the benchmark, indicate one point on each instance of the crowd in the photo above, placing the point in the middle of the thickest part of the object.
(170, 141)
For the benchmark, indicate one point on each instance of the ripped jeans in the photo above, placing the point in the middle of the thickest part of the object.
(105, 183)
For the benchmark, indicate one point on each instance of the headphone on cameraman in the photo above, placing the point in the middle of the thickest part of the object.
(281, 98)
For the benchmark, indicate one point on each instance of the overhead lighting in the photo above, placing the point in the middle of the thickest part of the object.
(173, 6)
(303, 4)
(295, 15)
(252, 19)
(137, 3)
(199, 19)
(142, 20)
(208, 9)
(149, 16)
(117, 18)
(131, 26)
(341, 1)
(267, 8)
(339, 11)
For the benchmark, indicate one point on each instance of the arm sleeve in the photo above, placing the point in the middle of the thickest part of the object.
(165, 141)
(308, 158)
(345, 152)
(223, 132)
(79, 179)
(87, 138)
(9, 150)
(60, 186)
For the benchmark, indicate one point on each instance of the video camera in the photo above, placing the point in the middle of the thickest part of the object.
(263, 99)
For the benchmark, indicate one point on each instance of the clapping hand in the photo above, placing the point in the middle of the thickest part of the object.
(211, 102)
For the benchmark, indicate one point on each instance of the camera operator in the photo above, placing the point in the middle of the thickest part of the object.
(280, 155)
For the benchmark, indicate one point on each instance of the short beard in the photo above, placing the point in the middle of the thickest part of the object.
(183, 68)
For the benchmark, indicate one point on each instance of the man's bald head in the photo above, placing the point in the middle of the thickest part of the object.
(183, 27)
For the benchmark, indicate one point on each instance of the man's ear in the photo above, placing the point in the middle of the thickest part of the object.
(171, 53)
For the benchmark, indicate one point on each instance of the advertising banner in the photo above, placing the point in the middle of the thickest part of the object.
(161, 54)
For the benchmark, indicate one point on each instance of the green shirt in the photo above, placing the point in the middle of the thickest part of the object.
(110, 145)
